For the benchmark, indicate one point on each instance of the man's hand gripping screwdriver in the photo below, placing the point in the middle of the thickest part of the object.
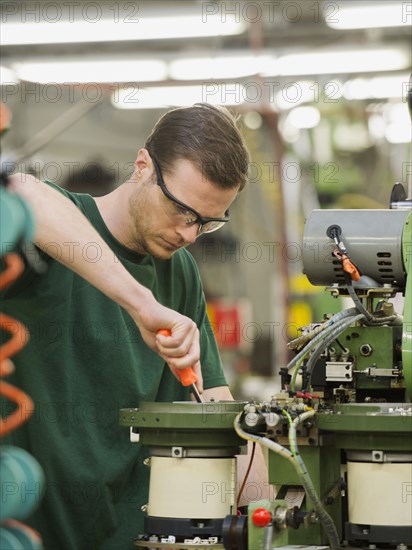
(186, 376)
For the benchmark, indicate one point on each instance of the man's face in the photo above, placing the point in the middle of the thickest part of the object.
(159, 226)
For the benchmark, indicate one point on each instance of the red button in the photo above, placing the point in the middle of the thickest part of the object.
(261, 517)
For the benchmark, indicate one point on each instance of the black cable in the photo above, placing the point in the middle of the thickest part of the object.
(340, 345)
(247, 473)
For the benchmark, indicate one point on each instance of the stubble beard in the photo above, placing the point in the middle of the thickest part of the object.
(144, 241)
(143, 245)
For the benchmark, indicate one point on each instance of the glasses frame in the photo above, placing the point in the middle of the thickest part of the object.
(200, 220)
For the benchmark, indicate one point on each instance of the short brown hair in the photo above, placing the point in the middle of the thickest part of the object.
(206, 135)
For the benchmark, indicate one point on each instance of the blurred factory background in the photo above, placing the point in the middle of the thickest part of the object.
(320, 89)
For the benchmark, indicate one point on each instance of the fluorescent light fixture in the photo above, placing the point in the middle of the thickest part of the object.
(293, 94)
(380, 87)
(372, 15)
(7, 76)
(399, 129)
(92, 71)
(397, 113)
(341, 61)
(304, 117)
(399, 133)
(106, 30)
(202, 68)
(176, 96)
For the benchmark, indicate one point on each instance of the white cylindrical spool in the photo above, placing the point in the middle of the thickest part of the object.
(195, 488)
(380, 493)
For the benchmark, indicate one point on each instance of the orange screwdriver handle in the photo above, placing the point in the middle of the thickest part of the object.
(186, 376)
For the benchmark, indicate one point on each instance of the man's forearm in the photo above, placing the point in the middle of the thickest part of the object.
(64, 233)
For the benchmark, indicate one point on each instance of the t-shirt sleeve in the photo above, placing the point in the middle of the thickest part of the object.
(39, 259)
(71, 196)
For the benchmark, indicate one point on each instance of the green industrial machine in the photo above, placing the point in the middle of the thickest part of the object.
(192, 448)
(354, 369)
(339, 431)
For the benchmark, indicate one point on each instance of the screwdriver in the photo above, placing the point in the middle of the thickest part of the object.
(186, 376)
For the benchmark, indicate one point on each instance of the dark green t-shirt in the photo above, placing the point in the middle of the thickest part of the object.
(84, 361)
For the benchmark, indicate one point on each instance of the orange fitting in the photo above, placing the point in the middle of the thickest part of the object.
(350, 268)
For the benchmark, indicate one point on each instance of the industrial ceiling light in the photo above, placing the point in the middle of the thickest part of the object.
(379, 87)
(160, 97)
(234, 66)
(398, 129)
(340, 62)
(371, 15)
(144, 70)
(304, 117)
(7, 76)
(110, 30)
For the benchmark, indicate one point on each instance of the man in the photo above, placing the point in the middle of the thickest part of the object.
(95, 314)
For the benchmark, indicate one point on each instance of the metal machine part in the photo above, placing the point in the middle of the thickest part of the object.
(399, 198)
(379, 243)
(339, 371)
(372, 475)
(192, 450)
(322, 461)
(373, 440)
(376, 441)
(373, 237)
(176, 476)
(265, 526)
(370, 367)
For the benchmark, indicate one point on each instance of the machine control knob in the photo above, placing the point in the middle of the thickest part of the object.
(261, 517)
